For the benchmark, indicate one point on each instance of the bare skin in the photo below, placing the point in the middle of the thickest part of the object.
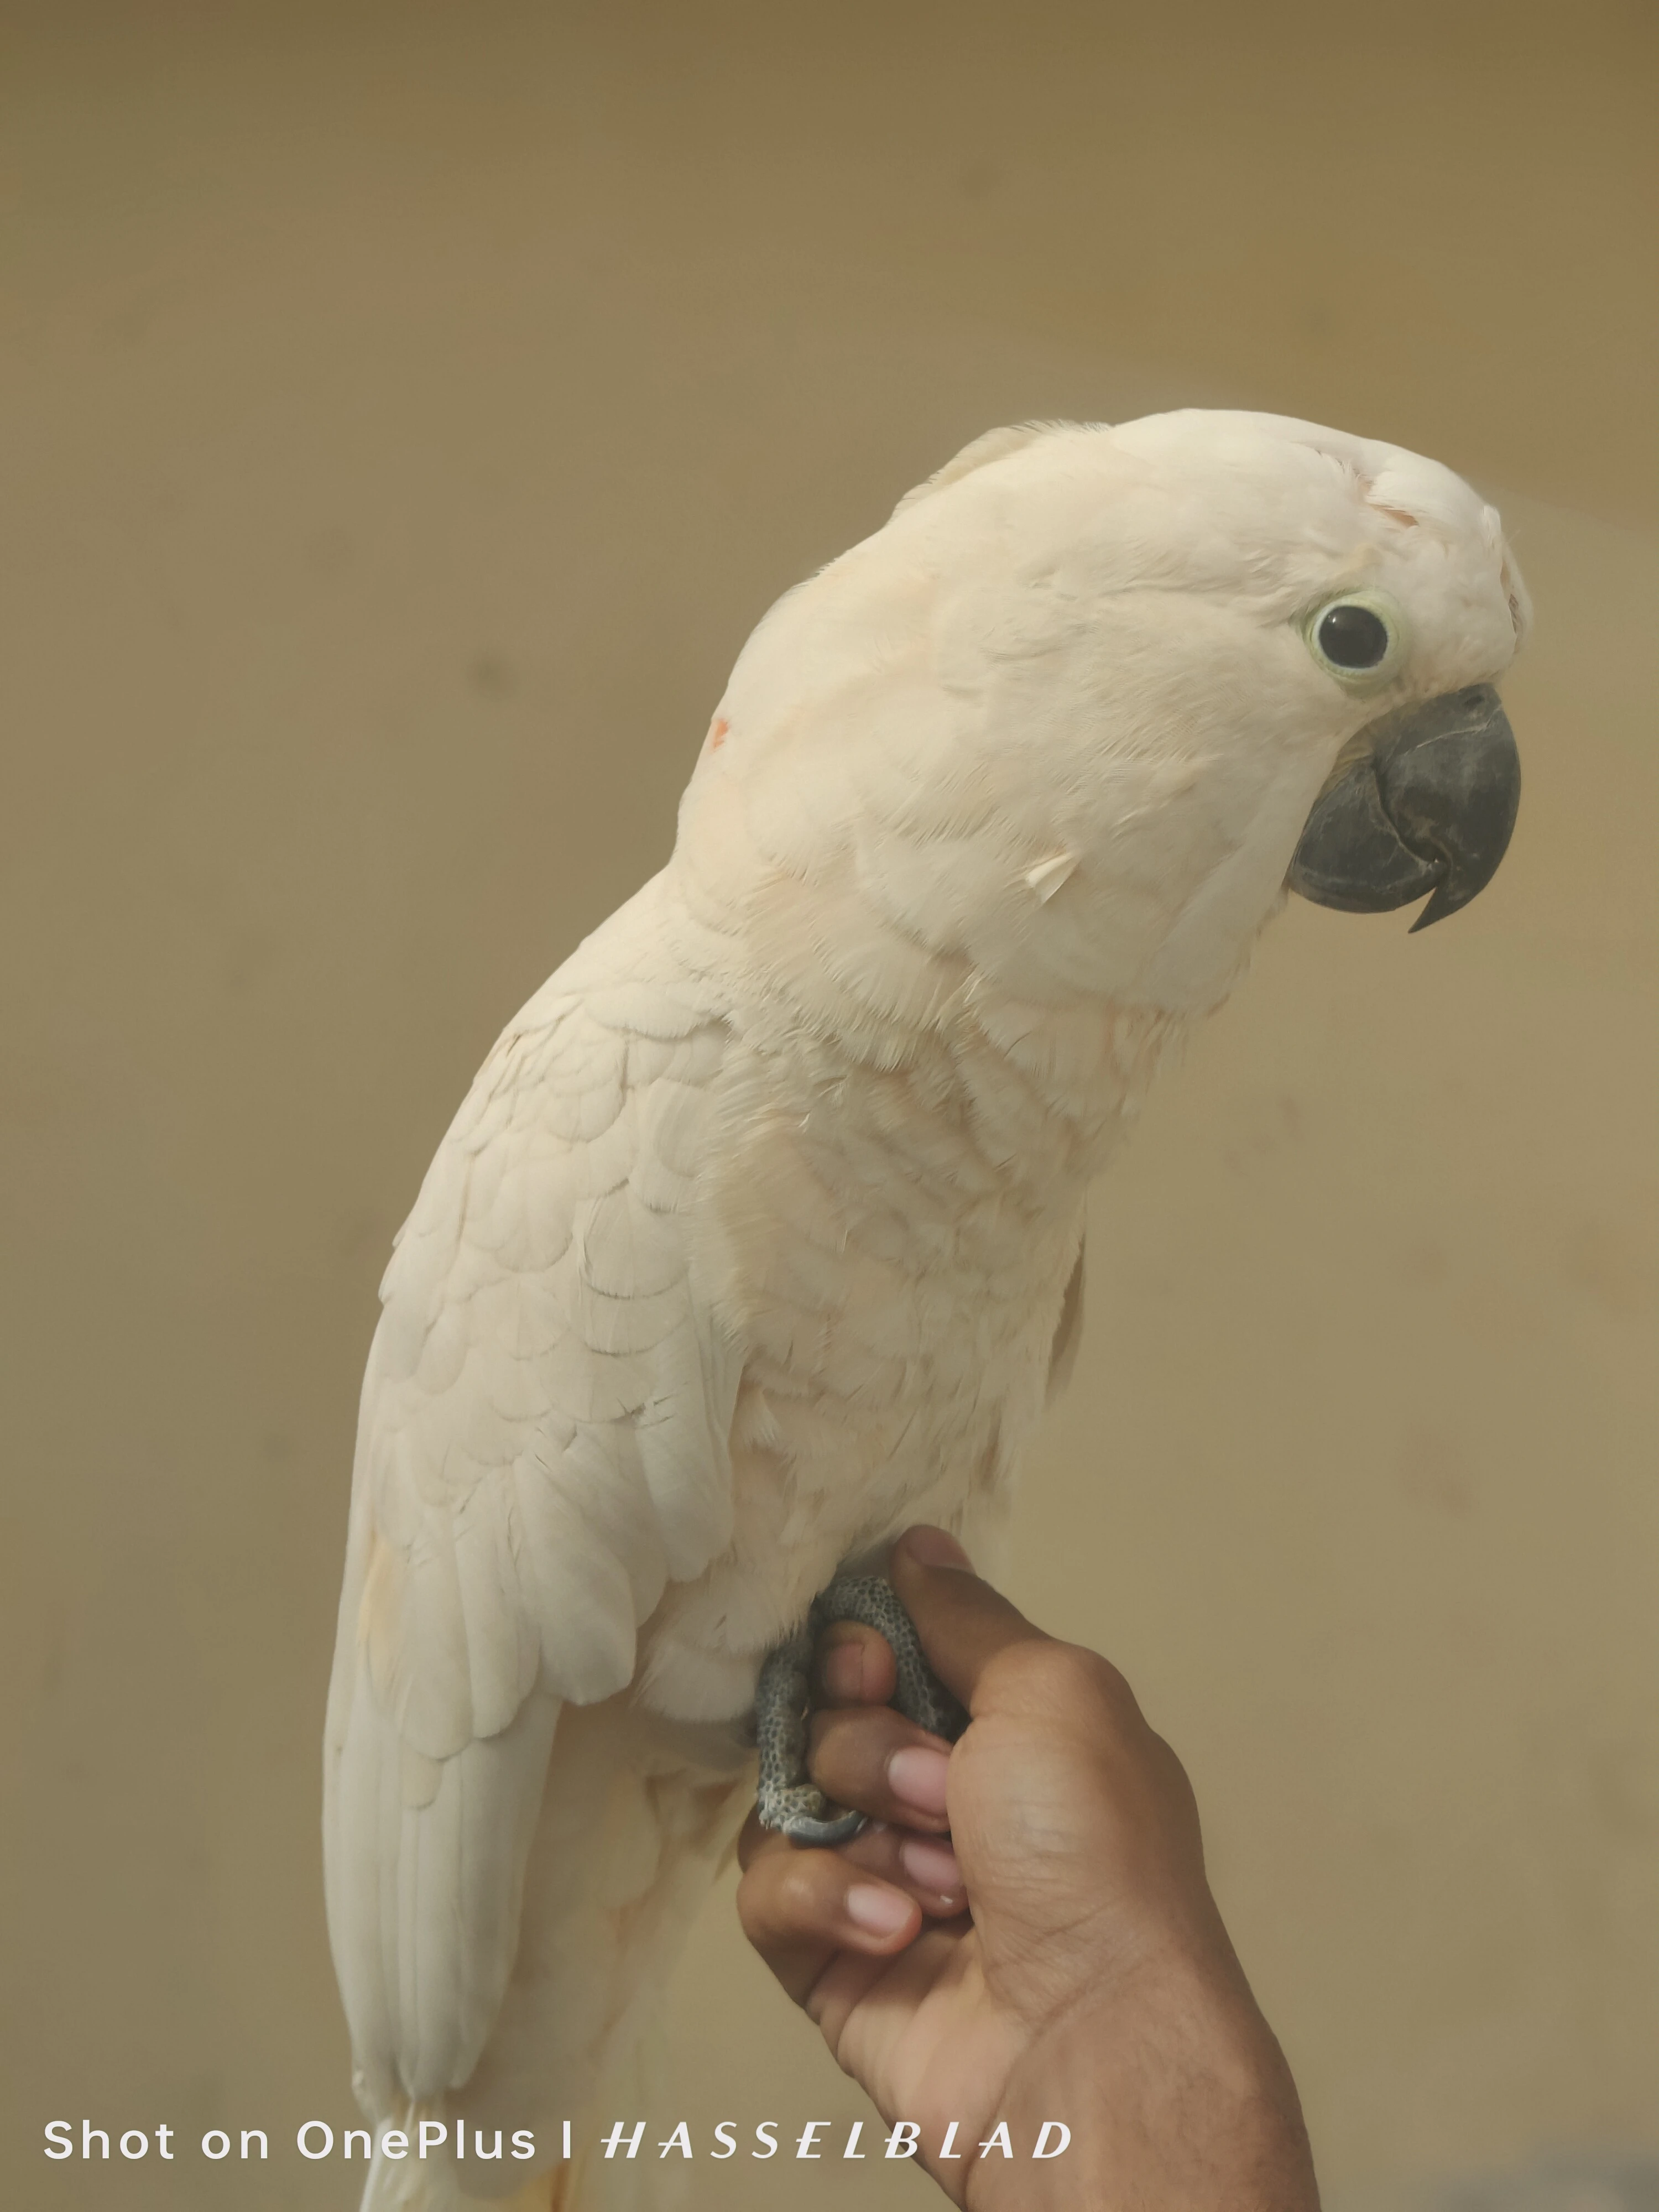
(1028, 1935)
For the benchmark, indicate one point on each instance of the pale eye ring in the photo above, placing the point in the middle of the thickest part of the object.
(1359, 639)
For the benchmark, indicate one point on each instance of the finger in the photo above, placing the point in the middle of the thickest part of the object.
(920, 1971)
(963, 1622)
(924, 1865)
(855, 1664)
(931, 1872)
(800, 1908)
(875, 1760)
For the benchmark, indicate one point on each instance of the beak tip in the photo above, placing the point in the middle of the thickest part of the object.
(1430, 808)
(1448, 896)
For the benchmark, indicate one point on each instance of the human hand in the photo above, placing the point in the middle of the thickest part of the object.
(1027, 1934)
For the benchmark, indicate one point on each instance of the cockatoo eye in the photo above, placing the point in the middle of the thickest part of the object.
(1360, 639)
(1353, 636)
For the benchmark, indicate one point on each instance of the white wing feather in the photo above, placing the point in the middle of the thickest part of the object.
(542, 1443)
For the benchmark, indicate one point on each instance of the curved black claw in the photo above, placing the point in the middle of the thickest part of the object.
(789, 1801)
(1424, 800)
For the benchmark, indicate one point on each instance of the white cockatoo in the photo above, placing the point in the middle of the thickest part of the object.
(758, 1237)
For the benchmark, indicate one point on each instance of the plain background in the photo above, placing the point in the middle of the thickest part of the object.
(412, 409)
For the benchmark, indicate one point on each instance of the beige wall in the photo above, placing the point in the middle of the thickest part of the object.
(412, 409)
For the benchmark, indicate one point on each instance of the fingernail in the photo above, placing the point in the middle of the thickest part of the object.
(842, 1667)
(935, 1548)
(916, 1777)
(878, 1911)
(931, 1866)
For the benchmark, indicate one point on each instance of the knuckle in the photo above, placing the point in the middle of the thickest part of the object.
(752, 1916)
(775, 1897)
(850, 1747)
(827, 1741)
(798, 1890)
(1069, 1679)
(1175, 1774)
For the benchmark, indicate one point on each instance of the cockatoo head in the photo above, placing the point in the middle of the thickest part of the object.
(1076, 717)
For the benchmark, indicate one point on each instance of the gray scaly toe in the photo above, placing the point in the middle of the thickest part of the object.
(789, 1801)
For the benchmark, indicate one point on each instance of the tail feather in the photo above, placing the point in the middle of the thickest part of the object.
(587, 2182)
(637, 1817)
(411, 2185)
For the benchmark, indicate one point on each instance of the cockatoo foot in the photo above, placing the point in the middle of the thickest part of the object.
(789, 1801)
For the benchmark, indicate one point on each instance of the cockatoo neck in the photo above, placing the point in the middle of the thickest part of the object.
(1048, 1091)
(959, 1076)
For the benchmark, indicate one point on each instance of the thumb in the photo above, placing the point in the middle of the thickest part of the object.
(963, 1622)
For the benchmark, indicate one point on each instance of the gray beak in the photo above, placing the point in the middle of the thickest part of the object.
(1423, 800)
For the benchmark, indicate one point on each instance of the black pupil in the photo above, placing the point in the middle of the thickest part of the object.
(1353, 637)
